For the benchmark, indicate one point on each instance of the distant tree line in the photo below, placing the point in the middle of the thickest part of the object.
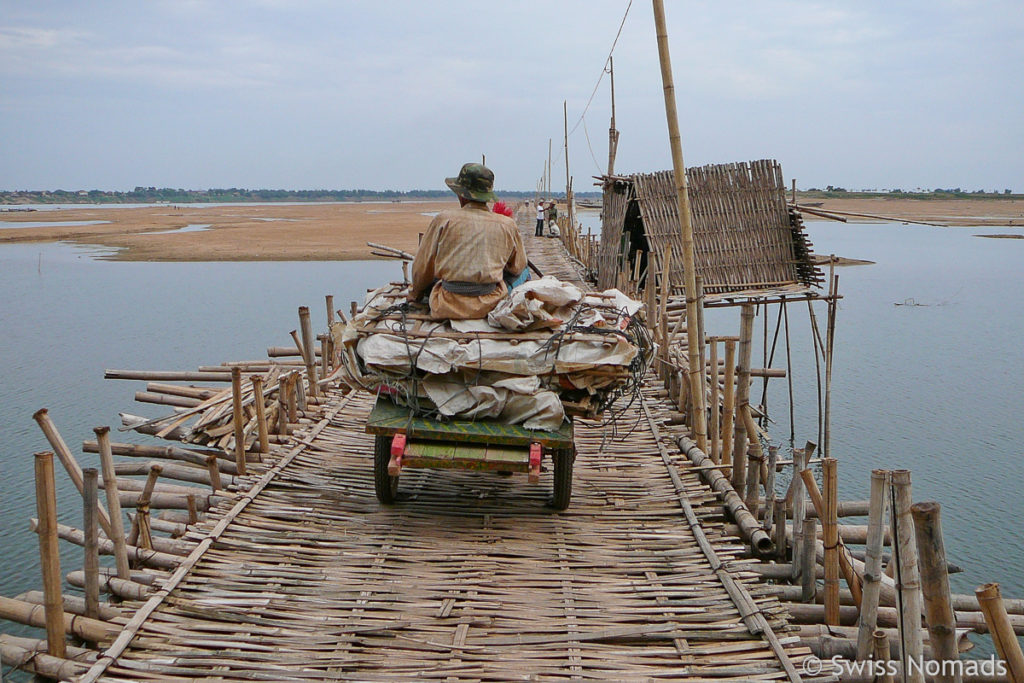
(832, 191)
(151, 195)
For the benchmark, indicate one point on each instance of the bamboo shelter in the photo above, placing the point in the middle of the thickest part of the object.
(746, 237)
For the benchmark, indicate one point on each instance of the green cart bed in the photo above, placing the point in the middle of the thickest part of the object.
(405, 440)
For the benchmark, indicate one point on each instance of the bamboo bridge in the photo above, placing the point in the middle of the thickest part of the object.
(280, 564)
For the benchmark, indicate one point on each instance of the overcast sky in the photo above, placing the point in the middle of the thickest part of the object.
(397, 95)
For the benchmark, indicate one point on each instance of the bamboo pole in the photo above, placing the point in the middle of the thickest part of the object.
(873, 563)
(800, 457)
(830, 534)
(42, 417)
(729, 403)
(769, 492)
(714, 427)
(1003, 637)
(755, 457)
(261, 413)
(113, 501)
(808, 560)
(49, 553)
(193, 513)
(238, 420)
(846, 563)
(665, 291)
(91, 560)
(696, 368)
(907, 573)
(307, 344)
(329, 298)
(935, 586)
(211, 465)
(880, 651)
(779, 530)
(40, 663)
(28, 614)
(739, 445)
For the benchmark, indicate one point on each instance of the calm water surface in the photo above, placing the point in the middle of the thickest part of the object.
(934, 388)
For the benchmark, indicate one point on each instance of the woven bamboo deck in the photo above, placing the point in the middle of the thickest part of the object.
(470, 577)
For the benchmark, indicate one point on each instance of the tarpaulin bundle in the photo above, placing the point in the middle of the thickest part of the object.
(547, 350)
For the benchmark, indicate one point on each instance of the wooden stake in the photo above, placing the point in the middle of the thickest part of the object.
(880, 481)
(1003, 637)
(261, 412)
(908, 576)
(739, 445)
(113, 502)
(935, 586)
(91, 560)
(330, 310)
(42, 417)
(238, 420)
(49, 553)
(779, 530)
(696, 369)
(193, 514)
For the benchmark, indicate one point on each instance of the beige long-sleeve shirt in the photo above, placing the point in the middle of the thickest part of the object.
(469, 244)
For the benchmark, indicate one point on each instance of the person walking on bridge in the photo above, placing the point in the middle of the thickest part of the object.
(466, 254)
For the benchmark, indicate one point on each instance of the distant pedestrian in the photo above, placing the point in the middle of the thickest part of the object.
(539, 232)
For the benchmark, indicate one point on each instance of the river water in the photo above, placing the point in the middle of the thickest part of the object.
(934, 388)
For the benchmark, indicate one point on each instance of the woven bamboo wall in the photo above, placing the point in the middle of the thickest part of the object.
(613, 214)
(744, 235)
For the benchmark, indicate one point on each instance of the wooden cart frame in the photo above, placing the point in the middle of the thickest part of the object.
(405, 440)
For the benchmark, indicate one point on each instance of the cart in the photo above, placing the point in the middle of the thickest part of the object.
(406, 440)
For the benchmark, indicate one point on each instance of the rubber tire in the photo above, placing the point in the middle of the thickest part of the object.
(384, 485)
(563, 461)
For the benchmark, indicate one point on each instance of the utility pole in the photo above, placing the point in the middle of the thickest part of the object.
(698, 417)
(568, 181)
(613, 135)
(548, 176)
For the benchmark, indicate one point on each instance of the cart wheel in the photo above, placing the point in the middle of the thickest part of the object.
(385, 486)
(563, 477)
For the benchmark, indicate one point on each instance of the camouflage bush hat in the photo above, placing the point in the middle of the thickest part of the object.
(475, 182)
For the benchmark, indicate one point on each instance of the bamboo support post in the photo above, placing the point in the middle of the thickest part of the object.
(665, 289)
(238, 419)
(800, 458)
(696, 369)
(808, 560)
(1003, 636)
(939, 615)
(91, 559)
(779, 529)
(261, 413)
(113, 501)
(873, 563)
(329, 299)
(714, 427)
(42, 417)
(306, 326)
(49, 553)
(830, 535)
(325, 357)
(281, 428)
(211, 466)
(769, 491)
(846, 563)
(729, 404)
(739, 446)
(907, 573)
(755, 458)
(880, 652)
(193, 513)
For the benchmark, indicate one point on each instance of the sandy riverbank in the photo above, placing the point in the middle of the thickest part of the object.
(265, 232)
(962, 212)
(340, 231)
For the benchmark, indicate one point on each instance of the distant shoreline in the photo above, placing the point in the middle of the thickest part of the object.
(339, 231)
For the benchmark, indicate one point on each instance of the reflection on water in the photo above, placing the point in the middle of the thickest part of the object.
(47, 224)
(191, 227)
